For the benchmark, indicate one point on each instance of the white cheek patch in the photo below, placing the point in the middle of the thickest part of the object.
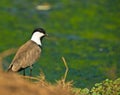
(36, 37)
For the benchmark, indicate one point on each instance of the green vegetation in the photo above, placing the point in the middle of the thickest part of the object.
(86, 33)
(107, 87)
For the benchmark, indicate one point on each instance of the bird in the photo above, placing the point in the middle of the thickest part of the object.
(28, 53)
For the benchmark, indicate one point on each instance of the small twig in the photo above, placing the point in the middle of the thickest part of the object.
(66, 72)
(5, 54)
(29, 77)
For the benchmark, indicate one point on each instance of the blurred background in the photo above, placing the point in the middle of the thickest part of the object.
(85, 32)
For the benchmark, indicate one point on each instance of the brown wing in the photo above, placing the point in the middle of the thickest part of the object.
(25, 56)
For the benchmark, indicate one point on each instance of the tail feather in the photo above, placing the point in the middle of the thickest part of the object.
(9, 69)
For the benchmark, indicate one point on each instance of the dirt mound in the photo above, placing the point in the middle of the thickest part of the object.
(13, 84)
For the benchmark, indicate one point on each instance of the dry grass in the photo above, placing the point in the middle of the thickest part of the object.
(14, 84)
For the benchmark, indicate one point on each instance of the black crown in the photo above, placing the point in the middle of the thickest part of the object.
(39, 30)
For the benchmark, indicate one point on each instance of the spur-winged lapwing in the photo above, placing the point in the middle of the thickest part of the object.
(28, 53)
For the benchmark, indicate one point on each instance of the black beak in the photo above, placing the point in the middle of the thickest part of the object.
(46, 34)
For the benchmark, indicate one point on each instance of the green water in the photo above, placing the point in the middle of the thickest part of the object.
(85, 32)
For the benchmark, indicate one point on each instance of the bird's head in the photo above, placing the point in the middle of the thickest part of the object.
(38, 34)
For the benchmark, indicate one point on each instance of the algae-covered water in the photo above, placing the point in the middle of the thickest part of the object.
(85, 32)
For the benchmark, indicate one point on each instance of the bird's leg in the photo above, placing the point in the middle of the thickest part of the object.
(24, 72)
(31, 71)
